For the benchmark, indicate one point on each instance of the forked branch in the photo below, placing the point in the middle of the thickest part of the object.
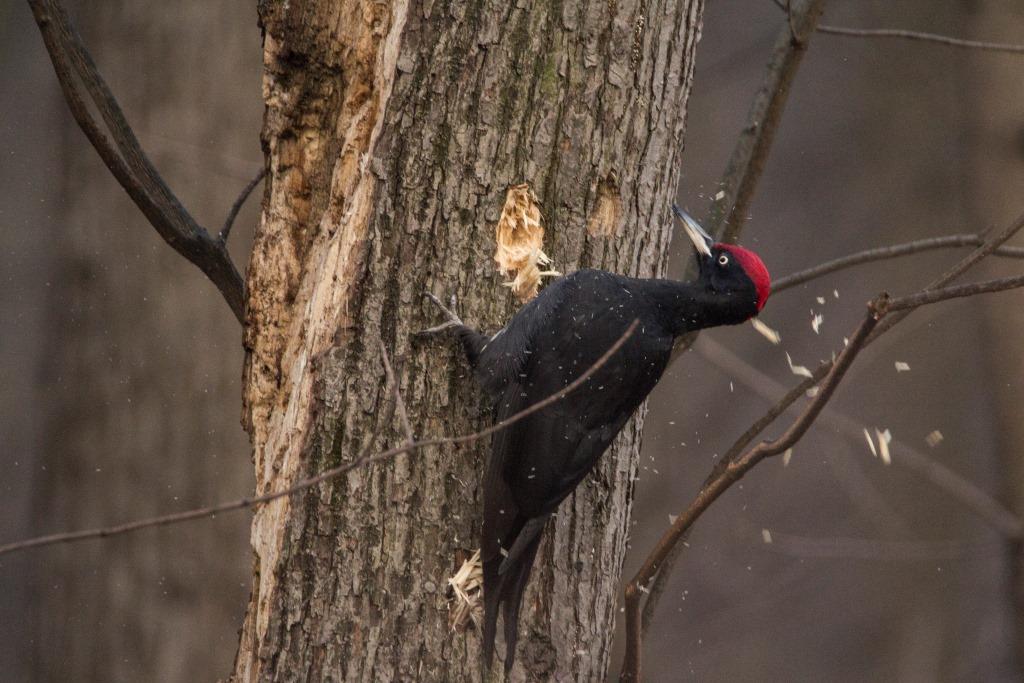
(731, 469)
(123, 156)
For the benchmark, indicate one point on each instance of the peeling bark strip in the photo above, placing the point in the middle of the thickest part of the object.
(392, 134)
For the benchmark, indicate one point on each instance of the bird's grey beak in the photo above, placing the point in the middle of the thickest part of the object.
(701, 240)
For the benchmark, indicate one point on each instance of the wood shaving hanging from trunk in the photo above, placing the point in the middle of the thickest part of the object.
(466, 586)
(520, 237)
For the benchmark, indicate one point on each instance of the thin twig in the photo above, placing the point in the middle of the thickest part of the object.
(933, 296)
(399, 403)
(913, 35)
(926, 37)
(125, 158)
(883, 253)
(237, 206)
(730, 470)
(332, 473)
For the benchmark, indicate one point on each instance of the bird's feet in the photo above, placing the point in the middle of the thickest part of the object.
(453, 319)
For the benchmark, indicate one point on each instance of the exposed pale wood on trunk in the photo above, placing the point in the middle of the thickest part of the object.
(393, 133)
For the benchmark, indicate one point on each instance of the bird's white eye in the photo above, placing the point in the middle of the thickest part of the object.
(723, 260)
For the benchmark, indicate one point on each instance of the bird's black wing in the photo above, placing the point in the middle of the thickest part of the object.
(503, 358)
(538, 461)
(502, 367)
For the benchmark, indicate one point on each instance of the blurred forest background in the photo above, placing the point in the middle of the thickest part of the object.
(120, 366)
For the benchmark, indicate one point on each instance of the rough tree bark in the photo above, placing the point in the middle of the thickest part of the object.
(139, 363)
(392, 133)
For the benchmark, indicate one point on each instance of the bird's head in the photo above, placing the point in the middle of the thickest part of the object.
(728, 270)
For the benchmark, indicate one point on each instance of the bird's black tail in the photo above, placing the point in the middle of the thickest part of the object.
(505, 581)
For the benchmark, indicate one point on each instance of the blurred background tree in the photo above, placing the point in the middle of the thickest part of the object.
(124, 368)
(120, 394)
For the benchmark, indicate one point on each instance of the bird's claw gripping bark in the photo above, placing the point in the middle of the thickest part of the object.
(453, 319)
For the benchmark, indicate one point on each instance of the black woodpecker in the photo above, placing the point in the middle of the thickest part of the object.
(536, 462)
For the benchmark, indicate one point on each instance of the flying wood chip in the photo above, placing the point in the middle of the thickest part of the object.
(520, 237)
(765, 331)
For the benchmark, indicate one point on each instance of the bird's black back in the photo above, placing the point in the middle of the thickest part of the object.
(538, 461)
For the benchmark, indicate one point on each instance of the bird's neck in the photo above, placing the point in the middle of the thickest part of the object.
(686, 306)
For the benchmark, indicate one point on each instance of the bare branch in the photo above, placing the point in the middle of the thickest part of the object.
(926, 37)
(932, 296)
(990, 245)
(729, 470)
(883, 253)
(125, 159)
(724, 475)
(362, 460)
(732, 202)
(222, 236)
(399, 403)
(913, 35)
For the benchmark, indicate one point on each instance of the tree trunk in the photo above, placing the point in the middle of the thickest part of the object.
(140, 363)
(998, 136)
(392, 134)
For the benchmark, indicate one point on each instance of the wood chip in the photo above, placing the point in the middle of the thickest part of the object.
(934, 439)
(902, 367)
(766, 535)
(786, 457)
(798, 369)
(816, 322)
(871, 444)
(884, 439)
(765, 331)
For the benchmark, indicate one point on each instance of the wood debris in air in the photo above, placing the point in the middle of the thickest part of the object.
(871, 444)
(765, 331)
(884, 439)
(520, 237)
(799, 370)
(816, 320)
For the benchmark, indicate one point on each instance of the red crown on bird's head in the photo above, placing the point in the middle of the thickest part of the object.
(755, 270)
